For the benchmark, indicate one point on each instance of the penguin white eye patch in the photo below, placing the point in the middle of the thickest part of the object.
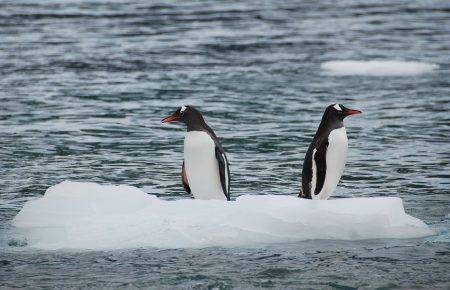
(337, 107)
(183, 108)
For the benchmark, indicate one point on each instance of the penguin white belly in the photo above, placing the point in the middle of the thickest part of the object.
(202, 168)
(336, 158)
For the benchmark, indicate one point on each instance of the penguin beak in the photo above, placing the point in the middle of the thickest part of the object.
(171, 118)
(349, 112)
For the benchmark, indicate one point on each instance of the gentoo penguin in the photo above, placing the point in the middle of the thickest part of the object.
(327, 154)
(205, 170)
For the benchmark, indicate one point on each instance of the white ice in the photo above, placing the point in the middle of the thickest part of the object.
(93, 216)
(378, 68)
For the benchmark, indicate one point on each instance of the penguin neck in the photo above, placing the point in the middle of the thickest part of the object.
(200, 125)
(196, 127)
(196, 123)
(329, 123)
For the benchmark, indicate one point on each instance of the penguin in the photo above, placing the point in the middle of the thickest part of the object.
(326, 156)
(205, 171)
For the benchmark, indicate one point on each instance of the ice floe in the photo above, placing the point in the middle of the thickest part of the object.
(92, 216)
(377, 68)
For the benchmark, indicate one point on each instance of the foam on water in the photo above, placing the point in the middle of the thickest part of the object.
(378, 68)
(93, 216)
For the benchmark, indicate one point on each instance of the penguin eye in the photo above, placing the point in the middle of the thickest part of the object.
(182, 110)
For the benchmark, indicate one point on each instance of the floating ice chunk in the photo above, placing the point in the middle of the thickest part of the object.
(377, 68)
(93, 216)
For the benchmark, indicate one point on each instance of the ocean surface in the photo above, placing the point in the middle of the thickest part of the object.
(84, 86)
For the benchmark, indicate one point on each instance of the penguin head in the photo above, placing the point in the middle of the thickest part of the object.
(187, 115)
(340, 111)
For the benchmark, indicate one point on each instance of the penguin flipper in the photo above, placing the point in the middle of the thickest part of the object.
(185, 180)
(321, 165)
(305, 190)
(224, 171)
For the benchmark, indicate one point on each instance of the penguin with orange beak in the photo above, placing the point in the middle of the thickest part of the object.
(205, 171)
(326, 156)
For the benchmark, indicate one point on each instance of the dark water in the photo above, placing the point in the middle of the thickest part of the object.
(83, 86)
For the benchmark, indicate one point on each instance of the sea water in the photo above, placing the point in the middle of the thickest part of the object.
(84, 86)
